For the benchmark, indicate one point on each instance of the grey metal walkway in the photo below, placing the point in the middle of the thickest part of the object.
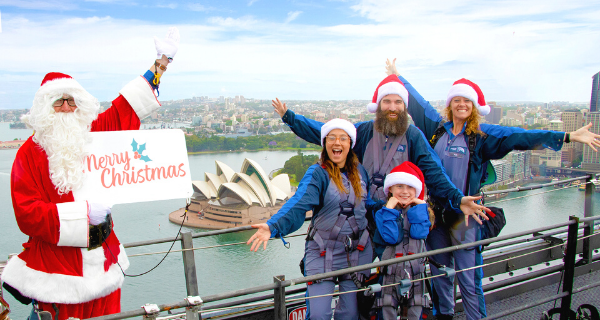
(591, 296)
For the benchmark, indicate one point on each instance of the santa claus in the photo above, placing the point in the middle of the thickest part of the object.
(72, 264)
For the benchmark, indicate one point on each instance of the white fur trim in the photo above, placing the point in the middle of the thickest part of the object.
(140, 96)
(60, 86)
(339, 124)
(463, 90)
(392, 88)
(372, 107)
(59, 288)
(402, 178)
(74, 226)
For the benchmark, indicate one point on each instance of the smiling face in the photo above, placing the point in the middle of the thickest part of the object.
(392, 105)
(461, 108)
(404, 193)
(337, 150)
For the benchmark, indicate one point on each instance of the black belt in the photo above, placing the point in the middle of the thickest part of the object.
(99, 233)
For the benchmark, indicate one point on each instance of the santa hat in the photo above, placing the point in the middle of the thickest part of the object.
(471, 91)
(390, 85)
(54, 85)
(406, 173)
(339, 124)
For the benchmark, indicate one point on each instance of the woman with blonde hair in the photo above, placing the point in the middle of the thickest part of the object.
(335, 190)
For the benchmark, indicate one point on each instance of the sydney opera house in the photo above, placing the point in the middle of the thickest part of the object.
(230, 199)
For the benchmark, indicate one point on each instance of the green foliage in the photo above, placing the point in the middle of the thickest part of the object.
(219, 143)
(298, 164)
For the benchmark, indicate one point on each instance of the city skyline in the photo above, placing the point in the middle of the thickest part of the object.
(304, 50)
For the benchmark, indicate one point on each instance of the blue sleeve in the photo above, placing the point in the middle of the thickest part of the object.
(499, 140)
(149, 75)
(386, 220)
(418, 217)
(437, 181)
(425, 117)
(307, 129)
(291, 216)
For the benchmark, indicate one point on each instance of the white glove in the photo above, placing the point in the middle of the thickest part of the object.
(98, 213)
(169, 45)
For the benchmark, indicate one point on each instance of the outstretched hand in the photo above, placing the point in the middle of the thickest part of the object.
(470, 208)
(279, 106)
(584, 135)
(390, 67)
(169, 45)
(261, 236)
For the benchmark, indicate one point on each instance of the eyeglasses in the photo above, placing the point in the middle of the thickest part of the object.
(343, 139)
(59, 102)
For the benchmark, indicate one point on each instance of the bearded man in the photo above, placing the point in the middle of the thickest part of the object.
(386, 142)
(72, 264)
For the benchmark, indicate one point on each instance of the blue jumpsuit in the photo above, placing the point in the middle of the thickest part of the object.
(453, 151)
(318, 193)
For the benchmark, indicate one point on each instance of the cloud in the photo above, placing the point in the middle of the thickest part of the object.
(40, 4)
(169, 6)
(543, 55)
(291, 16)
(251, 2)
(197, 7)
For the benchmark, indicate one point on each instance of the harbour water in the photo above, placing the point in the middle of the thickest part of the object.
(229, 268)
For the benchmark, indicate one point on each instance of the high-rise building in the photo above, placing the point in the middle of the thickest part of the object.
(591, 159)
(572, 120)
(495, 114)
(595, 102)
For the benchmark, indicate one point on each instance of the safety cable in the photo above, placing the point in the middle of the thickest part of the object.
(537, 193)
(209, 247)
(189, 202)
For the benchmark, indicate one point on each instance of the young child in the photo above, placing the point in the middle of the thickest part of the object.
(402, 226)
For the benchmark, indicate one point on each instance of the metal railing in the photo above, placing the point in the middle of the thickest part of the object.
(196, 307)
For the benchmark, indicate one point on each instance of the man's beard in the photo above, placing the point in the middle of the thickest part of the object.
(389, 127)
(64, 139)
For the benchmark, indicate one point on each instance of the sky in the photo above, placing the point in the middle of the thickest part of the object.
(535, 50)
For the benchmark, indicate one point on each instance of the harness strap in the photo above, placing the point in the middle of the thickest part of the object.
(382, 168)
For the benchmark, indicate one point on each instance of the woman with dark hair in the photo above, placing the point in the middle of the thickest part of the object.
(465, 147)
(335, 190)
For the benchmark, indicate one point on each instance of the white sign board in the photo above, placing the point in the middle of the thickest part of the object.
(136, 166)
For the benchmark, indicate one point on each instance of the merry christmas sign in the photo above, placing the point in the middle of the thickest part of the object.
(136, 166)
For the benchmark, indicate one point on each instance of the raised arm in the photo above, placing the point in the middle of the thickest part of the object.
(137, 99)
(425, 117)
(307, 129)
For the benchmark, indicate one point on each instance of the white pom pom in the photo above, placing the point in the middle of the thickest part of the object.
(372, 107)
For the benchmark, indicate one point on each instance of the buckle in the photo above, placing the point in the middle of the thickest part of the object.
(377, 179)
(346, 208)
(398, 255)
(323, 253)
(360, 247)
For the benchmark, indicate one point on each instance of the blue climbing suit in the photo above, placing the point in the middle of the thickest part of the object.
(401, 232)
(453, 151)
(337, 237)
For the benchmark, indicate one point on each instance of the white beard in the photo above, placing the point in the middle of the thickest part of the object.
(63, 135)
(64, 141)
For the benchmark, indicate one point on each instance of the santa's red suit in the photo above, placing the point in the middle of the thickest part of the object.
(56, 266)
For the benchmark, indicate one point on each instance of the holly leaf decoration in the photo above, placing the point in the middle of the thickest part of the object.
(134, 145)
(145, 158)
(142, 148)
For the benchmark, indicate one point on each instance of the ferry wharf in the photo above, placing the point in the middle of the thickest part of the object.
(526, 274)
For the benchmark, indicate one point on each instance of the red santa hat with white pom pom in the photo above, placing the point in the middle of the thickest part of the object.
(470, 90)
(390, 85)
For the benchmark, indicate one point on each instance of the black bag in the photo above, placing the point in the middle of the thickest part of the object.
(491, 228)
